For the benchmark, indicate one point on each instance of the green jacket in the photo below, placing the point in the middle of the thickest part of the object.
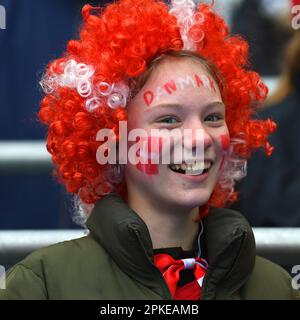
(115, 261)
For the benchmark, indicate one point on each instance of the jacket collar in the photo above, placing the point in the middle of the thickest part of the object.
(230, 246)
(229, 243)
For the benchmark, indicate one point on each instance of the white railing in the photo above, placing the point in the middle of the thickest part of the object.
(281, 245)
(24, 157)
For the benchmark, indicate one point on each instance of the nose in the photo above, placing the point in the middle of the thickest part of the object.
(199, 135)
(196, 140)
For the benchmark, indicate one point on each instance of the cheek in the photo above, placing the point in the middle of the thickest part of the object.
(135, 112)
(222, 162)
(133, 122)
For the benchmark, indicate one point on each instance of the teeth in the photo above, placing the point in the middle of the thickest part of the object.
(195, 168)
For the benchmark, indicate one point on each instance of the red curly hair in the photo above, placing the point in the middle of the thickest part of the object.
(120, 41)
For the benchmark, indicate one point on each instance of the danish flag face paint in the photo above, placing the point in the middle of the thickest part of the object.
(149, 154)
(225, 141)
(149, 169)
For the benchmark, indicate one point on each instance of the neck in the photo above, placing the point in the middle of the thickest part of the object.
(168, 226)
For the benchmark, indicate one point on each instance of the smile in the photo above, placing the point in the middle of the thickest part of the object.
(197, 168)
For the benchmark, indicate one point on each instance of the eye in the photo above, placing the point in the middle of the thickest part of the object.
(214, 117)
(168, 120)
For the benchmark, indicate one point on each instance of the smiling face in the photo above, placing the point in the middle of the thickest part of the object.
(180, 94)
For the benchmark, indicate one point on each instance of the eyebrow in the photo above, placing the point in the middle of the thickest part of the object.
(176, 105)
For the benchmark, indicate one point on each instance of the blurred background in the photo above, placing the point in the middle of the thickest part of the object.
(37, 31)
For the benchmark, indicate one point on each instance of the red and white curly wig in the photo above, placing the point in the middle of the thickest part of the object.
(86, 90)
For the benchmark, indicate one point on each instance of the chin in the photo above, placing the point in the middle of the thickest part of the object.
(191, 199)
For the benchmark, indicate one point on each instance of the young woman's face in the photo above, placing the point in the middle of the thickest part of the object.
(180, 94)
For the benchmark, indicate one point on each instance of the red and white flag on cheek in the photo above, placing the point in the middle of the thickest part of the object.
(149, 154)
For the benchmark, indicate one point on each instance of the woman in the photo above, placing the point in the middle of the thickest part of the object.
(158, 229)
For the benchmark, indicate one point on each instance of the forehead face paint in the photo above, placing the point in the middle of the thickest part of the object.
(205, 81)
(170, 86)
(180, 83)
(148, 97)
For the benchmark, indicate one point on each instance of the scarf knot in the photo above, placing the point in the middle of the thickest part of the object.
(170, 269)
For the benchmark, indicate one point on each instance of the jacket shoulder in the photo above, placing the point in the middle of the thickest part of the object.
(60, 255)
(72, 251)
(29, 278)
(268, 281)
